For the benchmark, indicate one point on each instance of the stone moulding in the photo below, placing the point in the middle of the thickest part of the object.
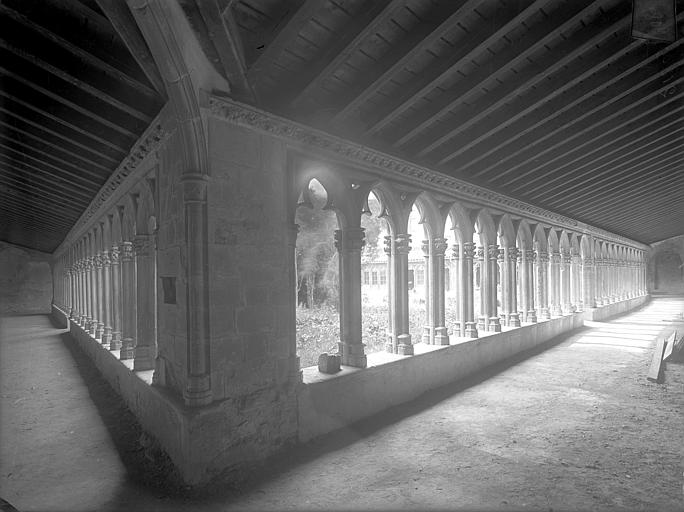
(391, 166)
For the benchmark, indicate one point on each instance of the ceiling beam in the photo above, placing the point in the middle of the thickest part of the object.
(29, 199)
(533, 75)
(301, 15)
(445, 67)
(25, 169)
(82, 54)
(400, 56)
(47, 135)
(567, 178)
(124, 24)
(37, 192)
(16, 176)
(223, 31)
(55, 211)
(44, 158)
(33, 222)
(566, 97)
(630, 104)
(540, 35)
(95, 116)
(80, 84)
(119, 149)
(45, 147)
(370, 21)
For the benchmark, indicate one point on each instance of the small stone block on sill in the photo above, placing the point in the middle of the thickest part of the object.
(329, 363)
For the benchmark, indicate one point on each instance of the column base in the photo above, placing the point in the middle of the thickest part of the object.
(72, 315)
(352, 354)
(531, 316)
(99, 330)
(471, 330)
(404, 346)
(514, 320)
(493, 325)
(428, 335)
(143, 358)
(92, 327)
(107, 336)
(482, 323)
(544, 314)
(115, 343)
(441, 336)
(127, 349)
(567, 309)
(556, 311)
(197, 391)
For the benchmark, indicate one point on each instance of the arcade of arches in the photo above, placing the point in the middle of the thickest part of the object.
(179, 280)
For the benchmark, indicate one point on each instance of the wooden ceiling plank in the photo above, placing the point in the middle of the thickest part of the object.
(296, 22)
(18, 177)
(34, 222)
(10, 128)
(48, 194)
(25, 169)
(564, 180)
(581, 93)
(630, 105)
(225, 35)
(43, 158)
(59, 98)
(538, 37)
(400, 61)
(87, 88)
(60, 172)
(55, 211)
(124, 24)
(646, 203)
(64, 206)
(55, 134)
(445, 68)
(497, 98)
(357, 32)
(549, 113)
(82, 54)
(638, 173)
(63, 122)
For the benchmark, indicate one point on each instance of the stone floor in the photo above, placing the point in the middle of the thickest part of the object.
(574, 427)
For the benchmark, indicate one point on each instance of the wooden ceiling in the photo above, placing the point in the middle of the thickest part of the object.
(552, 102)
(73, 100)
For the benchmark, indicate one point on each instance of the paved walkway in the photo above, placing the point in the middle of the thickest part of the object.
(576, 427)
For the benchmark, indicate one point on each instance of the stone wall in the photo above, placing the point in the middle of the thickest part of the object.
(25, 281)
(665, 270)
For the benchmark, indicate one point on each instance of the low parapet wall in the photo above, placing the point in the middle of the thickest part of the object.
(325, 402)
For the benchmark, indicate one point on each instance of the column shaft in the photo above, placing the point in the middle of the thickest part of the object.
(146, 317)
(116, 341)
(129, 301)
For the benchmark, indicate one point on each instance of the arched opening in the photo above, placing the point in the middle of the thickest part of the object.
(452, 288)
(317, 271)
(375, 276)
(418, 275)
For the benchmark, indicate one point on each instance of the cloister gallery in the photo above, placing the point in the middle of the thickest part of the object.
(514, 166)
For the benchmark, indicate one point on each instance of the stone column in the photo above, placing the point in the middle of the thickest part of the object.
(198, 377)
(527, 279)
(92, 312)
(576, 295)
(493, 323)
(99, 329)
(73, 311)
(146, 288)
(484, 282)
(402, 247)
(115, 343)
(441, 336)
(392, 343)
(349, 243)
(554, 283)
(505, 284)
(457, 279)
(564, 301)
(428, 336)
(468, 324)
(543, 285)
(588, 282)
(83, 297)
(107, 298)
(128, 316)
(513, 316)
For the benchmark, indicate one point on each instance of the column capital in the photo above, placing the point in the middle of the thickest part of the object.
(493, 251)
(555, 257)
(513, 254)
(480, 253)
(115, 255)
(455, 252)
(350, 240)
(97, 261)
(587, 261)
(194, 187)
(106, 260)
(127, 251)
(143, 244)
(439, 246)
(529, 254)
(402, 243)
(543, 256)
(469, 250)
(87, 263)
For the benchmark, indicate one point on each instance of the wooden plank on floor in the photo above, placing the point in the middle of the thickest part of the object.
(655, 370)
(670, 346)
